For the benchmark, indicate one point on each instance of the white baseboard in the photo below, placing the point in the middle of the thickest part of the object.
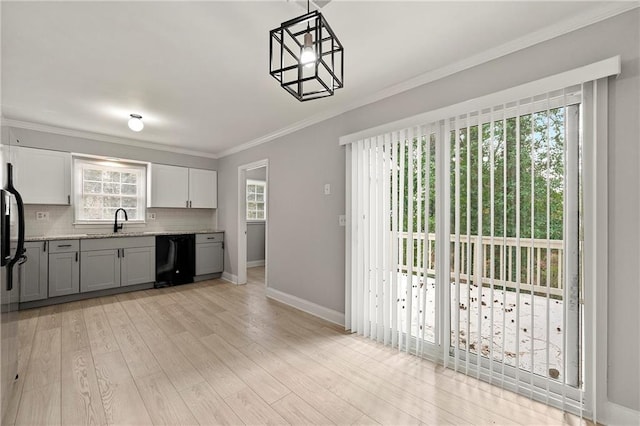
(306, 306)
(618, 415)
(233, 279)
(254, 263)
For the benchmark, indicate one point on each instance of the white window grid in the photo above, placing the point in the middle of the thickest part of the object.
(102, 187)
(256, 200)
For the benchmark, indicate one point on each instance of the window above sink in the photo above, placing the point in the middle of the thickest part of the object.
(103, 186)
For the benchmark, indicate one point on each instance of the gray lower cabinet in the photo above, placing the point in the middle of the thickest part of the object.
(138, 265)
(34, 272)
(100, 270)
(64, 267)
(209, 253)
(117, 262)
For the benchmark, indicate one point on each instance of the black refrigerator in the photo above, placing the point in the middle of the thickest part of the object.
(12, 256)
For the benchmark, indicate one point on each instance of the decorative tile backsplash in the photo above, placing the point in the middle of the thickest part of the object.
(61, 221)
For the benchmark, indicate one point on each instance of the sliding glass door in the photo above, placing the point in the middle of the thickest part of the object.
(514, 249)
(465, 242)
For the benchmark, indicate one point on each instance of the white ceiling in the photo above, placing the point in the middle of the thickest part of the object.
(198, 71)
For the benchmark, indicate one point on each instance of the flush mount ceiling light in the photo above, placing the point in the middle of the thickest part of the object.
(306, 57)
(135, 122)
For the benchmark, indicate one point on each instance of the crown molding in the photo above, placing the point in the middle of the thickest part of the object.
(101, 137)
(587, 18)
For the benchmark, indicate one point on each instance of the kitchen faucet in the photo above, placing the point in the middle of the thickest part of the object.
(115, 223)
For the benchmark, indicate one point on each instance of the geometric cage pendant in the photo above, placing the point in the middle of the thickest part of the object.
(306, 57)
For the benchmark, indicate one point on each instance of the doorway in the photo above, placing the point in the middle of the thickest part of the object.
(253, 222)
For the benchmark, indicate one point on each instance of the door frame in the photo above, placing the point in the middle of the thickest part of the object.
(242, 221)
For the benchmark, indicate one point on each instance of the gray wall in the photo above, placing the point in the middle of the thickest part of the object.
(255, 241)
(256, 230)
(36, 139)
(306, 245)
(61, 217)
(257, 174)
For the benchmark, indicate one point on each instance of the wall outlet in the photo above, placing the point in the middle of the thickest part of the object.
(342, 220)
(151, 216)
(42, 216)
(327, 188)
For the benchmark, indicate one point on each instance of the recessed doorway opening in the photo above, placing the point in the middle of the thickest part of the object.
(253, 222)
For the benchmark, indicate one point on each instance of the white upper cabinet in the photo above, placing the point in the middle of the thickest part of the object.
(203, 189)
(168, 186)
(43, 176)
(173, 186)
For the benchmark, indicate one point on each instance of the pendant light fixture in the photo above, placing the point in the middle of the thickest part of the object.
(306, 57)
(135, 122)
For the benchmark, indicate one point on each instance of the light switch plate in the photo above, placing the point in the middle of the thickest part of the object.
(342, 220)
(151, 216)
(42, 216)
(327, 188)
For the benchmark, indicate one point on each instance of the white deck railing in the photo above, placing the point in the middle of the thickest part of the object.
(541, 261)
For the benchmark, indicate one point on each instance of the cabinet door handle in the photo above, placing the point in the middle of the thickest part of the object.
(190, 204)
(64, 245)
(123, 253)
(44, 247)
(211, 238)
(118, 253)
(76, 256)
(69, 199)
(187, 203)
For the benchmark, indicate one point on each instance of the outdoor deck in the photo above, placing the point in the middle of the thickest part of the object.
(499, 339)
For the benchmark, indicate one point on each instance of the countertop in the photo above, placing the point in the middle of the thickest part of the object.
(116, 235)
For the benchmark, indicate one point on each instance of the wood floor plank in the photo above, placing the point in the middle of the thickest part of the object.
(297, 412)
(27, 323)
(11, 412)
(164, 404)
(252, 409)
(399, 385)
(250, 372)
(120, 397)
(49, 317)
(139, 358)
(44, 363)
(207, 406)
(215, 353)
(215, 372)
(81, 398)
(326, 402)
(364, 421)
(172, 361)
(74, 330)
(190, 321)
(160, 315)
(40, 406)
(101, 338)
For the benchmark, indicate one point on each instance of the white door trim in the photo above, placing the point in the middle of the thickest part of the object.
(242, 221)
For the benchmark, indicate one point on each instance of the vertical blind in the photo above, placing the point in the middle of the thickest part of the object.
(464, 242)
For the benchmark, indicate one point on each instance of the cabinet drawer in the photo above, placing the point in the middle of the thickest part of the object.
(117, 243)
(64, 246)
(218, 237)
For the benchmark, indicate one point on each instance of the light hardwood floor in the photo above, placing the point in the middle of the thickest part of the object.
(215, 353)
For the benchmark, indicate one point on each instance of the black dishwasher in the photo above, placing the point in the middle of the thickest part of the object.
(175, 259)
